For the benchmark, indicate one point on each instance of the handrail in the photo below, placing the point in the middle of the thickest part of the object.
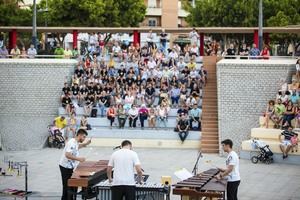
(207, 30)
(226, 57)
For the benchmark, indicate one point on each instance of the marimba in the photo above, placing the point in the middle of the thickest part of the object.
(87, 175)
(144, 191)
(200, 186)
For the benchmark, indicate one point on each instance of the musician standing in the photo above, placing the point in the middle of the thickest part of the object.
(124, 162)
(231, 173)
(70, 159)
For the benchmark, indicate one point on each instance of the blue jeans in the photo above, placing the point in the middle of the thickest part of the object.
(102, 110)
(175, 100)
(162, 120)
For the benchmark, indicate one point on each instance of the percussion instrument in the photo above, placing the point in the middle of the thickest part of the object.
(87, 175)
(200, 186)
(144, 191)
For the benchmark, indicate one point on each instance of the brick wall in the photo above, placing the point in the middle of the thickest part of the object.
(244, 88)
(30, 91)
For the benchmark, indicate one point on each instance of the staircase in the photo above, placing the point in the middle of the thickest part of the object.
(210, 134)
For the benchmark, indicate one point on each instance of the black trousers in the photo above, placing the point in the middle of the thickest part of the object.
(121, 122)
(132, 122)
(183, 135)
(65, 175)
(232, 190)
(111, 119)
(142, 119)
(118, 192)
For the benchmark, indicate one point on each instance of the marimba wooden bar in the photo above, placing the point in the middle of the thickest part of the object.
(203, 185)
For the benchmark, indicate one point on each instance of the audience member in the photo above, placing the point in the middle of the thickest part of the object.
(133, 116)
(15, 52)
(31, 52)
(162, 114)
(183, 127)
(278, 113)
(59, 51)
(143, 113)
(288, 115)
(195, 118)
(269, 112)
(72, 126)
(3, 52)
(152, 118)
(286, 143)
(265, 53)
(254, 51)
(121, 116)
(194, 36)
(61, 123)
(111, 114)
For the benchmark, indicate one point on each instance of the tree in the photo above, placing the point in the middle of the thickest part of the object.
(12, 15)
(110, 13)
(228, 13)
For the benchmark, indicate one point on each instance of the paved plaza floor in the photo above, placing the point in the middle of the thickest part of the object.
(260, 181)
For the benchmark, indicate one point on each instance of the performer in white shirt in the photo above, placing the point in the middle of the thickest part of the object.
(70, 159)
(231, 173)
(124, 162)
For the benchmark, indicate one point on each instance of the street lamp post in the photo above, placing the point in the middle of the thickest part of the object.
(260, 25)
(34, 34)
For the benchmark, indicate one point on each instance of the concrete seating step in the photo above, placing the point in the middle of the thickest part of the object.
(277, 157)
(140, 134)
(104, 122)
(265, 133)
(80, 112)
(148, 143)
(273, 145)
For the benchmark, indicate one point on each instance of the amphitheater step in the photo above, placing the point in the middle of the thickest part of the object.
(105, 137)
(210, 137)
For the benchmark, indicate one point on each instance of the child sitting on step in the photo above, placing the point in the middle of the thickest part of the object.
(294, 141)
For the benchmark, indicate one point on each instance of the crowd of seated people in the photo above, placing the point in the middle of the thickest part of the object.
(286, 107)
(283, 111)
(137, 84)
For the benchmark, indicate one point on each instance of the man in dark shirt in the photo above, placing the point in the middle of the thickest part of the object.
(66, 103)
(244, 51)
(121, 81)
(149, 95)
(75, 91)
(286, 143)
(130, 80)
(121, 71)
(79, 72)
(185, 72)
(231, 52)
(183, 127)
(98, 90)
(91, 89)
(66, 89)
(182, 112)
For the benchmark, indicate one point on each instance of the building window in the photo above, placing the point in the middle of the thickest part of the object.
(152, 4)
(152, 22)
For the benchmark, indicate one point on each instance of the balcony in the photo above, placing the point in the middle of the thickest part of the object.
(182, 13)
(153, 12)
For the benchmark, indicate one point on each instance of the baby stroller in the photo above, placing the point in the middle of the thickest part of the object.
(265, 155)
(55, 138)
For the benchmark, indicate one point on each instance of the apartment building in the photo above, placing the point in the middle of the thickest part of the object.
(165, 13)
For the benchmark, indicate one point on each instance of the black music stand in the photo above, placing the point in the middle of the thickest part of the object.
(195, 169)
